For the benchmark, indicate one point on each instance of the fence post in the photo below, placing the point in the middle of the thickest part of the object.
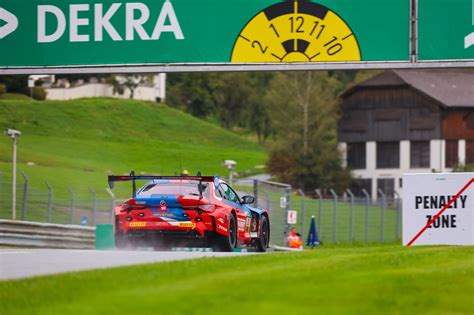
(50, 202)
(320, 207)
(72, 205)
(1, 181)
(303, 208)
(94, 205)
(397, 227)
(335, 213)
(351, 230)
(255, 192)
(25, 194)
(382, 228)
(268, 201)
(112, 204)
(367, 205)
(287, 209)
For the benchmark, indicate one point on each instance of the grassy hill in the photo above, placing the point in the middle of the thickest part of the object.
(380, 279)
(76, 143)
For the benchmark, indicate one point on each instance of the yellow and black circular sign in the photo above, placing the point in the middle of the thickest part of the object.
(296, 31)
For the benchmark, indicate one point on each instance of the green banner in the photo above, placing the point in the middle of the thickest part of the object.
(445, 30)
(106, 32)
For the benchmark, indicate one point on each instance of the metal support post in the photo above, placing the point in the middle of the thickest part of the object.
(303, 208)
(320, 213)
(14, 181)
(255, 192)
(71, 205)
(50, 202)
(398, 209)
(25, 194)
(382, 219)
(94, 205)
(351, 230)
(367, 206)
(287, 209)
(112, 204)
(335, 214)
(269, 205)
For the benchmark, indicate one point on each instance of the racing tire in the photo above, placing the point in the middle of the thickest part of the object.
(264, 239)
(121, 241)
(229, 242)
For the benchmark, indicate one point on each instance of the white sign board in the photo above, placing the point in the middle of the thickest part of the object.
(291, 219)
(31, 82)
(282, 202)
(446, 200)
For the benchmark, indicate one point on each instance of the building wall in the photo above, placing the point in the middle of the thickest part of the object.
(403, 115)
(389, 114)
(145, 93)
(437, 162)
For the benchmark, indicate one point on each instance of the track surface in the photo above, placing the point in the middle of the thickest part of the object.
(23, 263)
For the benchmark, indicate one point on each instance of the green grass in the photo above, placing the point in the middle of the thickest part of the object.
(14, 96)
(386, 279)
(77, 143)
(87, 138)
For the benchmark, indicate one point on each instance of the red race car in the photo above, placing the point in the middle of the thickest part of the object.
(188, 211)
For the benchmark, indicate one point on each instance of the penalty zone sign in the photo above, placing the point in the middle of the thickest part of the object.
(438, 209)
(291, 218)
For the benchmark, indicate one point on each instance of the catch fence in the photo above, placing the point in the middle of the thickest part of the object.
(343, 217)
(43, 204)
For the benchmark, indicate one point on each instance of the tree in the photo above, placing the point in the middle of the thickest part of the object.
(231, 93)
(121, 83)
(191, 92)
(304, 115)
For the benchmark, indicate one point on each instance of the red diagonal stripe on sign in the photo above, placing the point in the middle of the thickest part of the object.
(441, 212)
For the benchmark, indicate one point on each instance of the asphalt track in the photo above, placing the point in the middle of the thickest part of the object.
(24, 263)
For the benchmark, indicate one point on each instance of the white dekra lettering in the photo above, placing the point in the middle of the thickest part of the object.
(85, 22)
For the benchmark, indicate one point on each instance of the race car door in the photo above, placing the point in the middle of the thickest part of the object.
(243, 213)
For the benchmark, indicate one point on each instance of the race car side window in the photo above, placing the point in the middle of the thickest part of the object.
(229, 193)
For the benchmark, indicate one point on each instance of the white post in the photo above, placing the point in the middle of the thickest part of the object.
(14, 181)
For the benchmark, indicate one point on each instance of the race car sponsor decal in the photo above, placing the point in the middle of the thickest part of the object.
(241, 223)
(187, 224)
(162, 223)
(137, 224)
(253, 234)
(221, 220)
(220, 227)
(169, 215)
(247, 225)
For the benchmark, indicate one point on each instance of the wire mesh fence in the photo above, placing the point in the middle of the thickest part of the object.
(346, 217)
(41, 205)
(339, 217)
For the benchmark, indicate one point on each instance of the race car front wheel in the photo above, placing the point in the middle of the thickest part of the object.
(263, 240)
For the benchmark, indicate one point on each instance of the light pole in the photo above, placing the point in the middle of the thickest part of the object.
(14, 134)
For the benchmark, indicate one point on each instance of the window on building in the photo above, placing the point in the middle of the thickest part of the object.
(387, 186)
(419, 154)
(388, 154)
(451, 153)
(361, 183)
(356, 156)
(470, 152)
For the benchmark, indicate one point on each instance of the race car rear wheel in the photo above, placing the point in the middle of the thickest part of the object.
(263, 240)
(121, 241)
(227, 243)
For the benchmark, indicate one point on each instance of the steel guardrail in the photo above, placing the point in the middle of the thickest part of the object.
(46, 235)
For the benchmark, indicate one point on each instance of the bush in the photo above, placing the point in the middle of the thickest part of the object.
(39, 93)
(3, 89)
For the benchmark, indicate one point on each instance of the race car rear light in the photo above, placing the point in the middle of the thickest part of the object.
(132, 204)
(207, 208)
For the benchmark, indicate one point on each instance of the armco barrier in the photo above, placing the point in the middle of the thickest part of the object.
(46, 235)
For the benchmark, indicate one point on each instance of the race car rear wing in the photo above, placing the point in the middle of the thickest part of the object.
(132, 177)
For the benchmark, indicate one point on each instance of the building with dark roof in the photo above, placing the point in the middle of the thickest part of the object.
(406, 121)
